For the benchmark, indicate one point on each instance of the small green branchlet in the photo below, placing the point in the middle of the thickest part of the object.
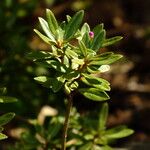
(75, 64)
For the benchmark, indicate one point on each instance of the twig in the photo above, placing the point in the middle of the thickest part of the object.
(66, 123)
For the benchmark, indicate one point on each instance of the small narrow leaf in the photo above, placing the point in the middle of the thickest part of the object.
(53, 64)
(85, 28)
(46, 29)
(118, 132)
(54, 83)
(83, 48)
(98, 40)
(86, 39)
(71, 54)
(34, 55)
(94, 94)
(43, 37)
(68, 18)
(3, 136)
(105, 60)
(7, 99)
(104, 68)
(4, 119)
(73, 25)
(99, 28)
(103, 117)
(111, 41)
(57, 84)
(53, 130)
(52, 22)
(41, 79)
(96, 82)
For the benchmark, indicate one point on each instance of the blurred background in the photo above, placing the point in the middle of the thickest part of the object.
(130, 78)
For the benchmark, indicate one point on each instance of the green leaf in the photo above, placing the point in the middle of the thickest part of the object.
(53, 130)
(63, 25)
(41, 79)
(71, 54)
(94, 94)
(111, 41)
(98, 40)
(43, 37)
(86, 39)
(4, 119)
(67, 88)
(105, 60)
(46, 29)
(34, 55)
(85, 28)
(104, 68)
(3, 136)
(57, 83)
(99, 28)
(83, 48)
(54, 83)
(96, 82)
(87, 146)
(52, 22)
(103, 115)
(71, 75)
(53, 64)
(7, 99)
(73, 25)
(68, 18)
(60, 35)
(93, 69)
(118, 132)
(99, 35)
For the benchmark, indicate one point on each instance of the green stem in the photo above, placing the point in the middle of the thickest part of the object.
(66, 123)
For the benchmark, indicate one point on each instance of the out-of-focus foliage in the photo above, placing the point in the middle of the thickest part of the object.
(5, 118)
(15, 70)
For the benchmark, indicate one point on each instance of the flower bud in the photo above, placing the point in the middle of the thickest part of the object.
(91, 34)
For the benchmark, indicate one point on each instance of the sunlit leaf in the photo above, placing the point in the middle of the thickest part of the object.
(96, 82)
(99, 36)
(46, 29)
(94, 94)
(118, 132)
(43, 37)
(2, 136)
(83, 48)
(73, 25)
(111, 41)
(105, 60)
(53, 64)
(4, 119)
(52, 22)
(34, 55)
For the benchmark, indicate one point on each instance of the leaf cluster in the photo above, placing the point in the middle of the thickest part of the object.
(74, 56)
